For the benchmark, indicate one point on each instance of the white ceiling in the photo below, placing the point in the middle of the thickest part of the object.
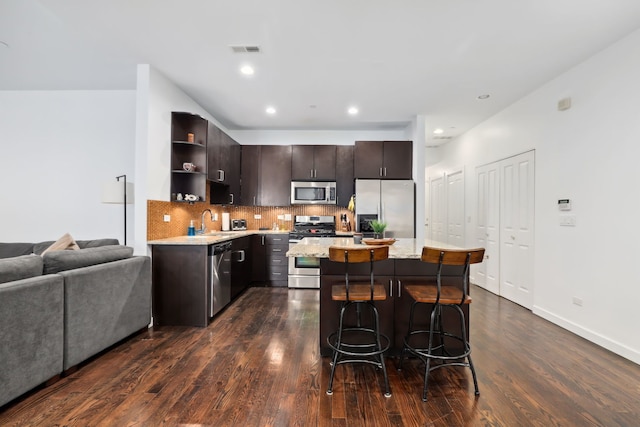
(393, 59)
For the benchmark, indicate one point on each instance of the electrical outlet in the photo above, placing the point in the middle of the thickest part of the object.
(257, 216)
(287, 217)
(281, 217)
(167, 218)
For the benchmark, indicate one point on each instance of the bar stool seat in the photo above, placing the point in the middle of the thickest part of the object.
(362, 341)
(438, 298)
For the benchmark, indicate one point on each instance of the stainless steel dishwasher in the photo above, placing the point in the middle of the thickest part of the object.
(219, 277)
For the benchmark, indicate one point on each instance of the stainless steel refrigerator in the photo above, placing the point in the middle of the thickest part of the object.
(390, 201)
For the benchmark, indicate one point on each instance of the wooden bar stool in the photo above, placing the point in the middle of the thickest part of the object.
(361, 342)
(438, 348)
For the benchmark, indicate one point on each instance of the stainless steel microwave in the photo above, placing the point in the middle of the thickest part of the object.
(313, 193)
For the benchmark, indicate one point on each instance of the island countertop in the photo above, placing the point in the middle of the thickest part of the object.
(402, 249)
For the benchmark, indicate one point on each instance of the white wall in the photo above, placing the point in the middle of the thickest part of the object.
(58, 148)
(588, 154)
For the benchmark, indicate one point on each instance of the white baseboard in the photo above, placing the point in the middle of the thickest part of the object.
(609, 344)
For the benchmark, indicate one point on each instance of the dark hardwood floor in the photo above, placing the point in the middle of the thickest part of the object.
(257, 364)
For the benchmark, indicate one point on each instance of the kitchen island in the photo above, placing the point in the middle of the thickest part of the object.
(403, 267)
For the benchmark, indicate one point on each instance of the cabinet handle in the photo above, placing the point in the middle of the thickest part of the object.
(242, 256)
(254, 200)
(310, 173)
(275, 261)
(263, 240)
(315, 173)
(276, 274)
(276, 250)
(391, 287)
(381, 172)
(231, 202)
(399, 288)
(220, 175)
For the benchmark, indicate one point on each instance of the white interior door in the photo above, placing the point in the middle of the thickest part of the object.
(487, 274)
(516, 228)
(455, 208)
(438, 209)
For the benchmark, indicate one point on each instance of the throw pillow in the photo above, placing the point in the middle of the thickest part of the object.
(64, 243)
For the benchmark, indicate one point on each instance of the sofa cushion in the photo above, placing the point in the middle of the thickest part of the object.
(66, 242)
(55, 262)
(39, 248)
(10, 250)
(96, 243)
(18, 268)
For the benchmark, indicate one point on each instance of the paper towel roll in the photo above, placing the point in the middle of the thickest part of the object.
(225, 221)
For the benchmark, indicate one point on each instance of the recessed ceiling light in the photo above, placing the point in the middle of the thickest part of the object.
(270, 110)
(352, 111)
(247, 70)
(438, 131)
(485, 96)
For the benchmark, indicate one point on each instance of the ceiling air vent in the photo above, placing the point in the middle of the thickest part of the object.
(245, 49)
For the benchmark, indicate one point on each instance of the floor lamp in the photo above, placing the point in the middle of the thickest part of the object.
(121, 193)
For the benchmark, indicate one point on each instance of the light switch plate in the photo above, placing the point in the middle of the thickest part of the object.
(287, 217)
(568, 220)
(281, 217)
(167, 218)
(257, 216)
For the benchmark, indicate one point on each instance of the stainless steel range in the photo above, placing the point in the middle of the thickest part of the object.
(304, 272)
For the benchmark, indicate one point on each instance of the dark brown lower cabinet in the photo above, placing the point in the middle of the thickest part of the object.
(180, 277)
(394, 312)
(180, 289)
(270, 263)
(241, 263)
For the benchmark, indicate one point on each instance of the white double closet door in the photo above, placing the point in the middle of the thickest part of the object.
(446, 208)
(505, 227)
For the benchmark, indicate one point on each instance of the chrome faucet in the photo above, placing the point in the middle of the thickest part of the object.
(203, 229)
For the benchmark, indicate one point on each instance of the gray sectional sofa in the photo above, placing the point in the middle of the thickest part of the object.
(60, 309)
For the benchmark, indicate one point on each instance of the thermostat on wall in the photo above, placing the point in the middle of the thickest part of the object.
(564, 204)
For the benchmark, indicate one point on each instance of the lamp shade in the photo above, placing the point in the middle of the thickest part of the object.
(113, 192)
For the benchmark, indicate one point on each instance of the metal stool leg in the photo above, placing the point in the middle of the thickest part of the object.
(435, 314)
(387, 392)
(335, 352)
(467, 348)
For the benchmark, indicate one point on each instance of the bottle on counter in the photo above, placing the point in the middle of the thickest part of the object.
(192, 229)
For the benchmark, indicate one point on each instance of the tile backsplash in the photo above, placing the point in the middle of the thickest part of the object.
(182, 213)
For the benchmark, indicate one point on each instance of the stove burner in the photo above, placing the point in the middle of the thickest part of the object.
(313, 226)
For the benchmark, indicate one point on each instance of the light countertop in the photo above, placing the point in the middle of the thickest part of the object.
(211, 237)
(401, 249)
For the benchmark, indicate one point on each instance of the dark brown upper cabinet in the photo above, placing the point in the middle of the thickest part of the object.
(266, 175)
(223, 167)
(345, 186)
(313, 163)
(383, 159)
